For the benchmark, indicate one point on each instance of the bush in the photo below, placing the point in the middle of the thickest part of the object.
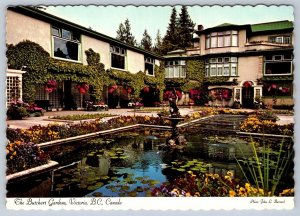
(17, 110)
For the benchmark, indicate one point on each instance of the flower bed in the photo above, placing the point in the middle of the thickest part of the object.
(82, 117)
(40, 134)
(255, 125)
(211, 185)
(24, 155)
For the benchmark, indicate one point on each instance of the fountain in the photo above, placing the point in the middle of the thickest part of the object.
(175, 140)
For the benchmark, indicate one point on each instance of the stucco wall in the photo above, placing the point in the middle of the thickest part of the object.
(248, 68)
(20, 27)
(135, 62)
(98, 46)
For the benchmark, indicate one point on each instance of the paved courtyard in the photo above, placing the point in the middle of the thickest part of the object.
(44, 120)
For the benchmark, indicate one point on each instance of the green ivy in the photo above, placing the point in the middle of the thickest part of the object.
(36, 60)
(41, 68)
(215, 80)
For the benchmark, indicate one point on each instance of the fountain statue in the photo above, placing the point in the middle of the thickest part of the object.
(174, 118)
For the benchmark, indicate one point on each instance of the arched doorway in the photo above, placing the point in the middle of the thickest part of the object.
(248, 94)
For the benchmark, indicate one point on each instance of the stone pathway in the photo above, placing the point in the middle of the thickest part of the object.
(30, 121)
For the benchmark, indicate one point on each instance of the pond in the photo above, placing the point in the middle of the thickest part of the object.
(130, 164)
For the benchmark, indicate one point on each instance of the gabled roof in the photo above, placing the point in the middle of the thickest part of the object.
(38, 14)
(272, 26)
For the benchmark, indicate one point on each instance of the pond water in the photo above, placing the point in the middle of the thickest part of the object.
(129, 164)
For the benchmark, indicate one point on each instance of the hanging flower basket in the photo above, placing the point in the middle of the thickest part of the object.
(82, 88)
(146, 89)
(248, 84)
(50, 86)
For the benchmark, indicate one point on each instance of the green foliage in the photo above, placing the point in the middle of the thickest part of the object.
(139, 80)
(170, 41)
(158, 44)
(124, 33)
(215, 80)
(146, 41)
(35, 58)
(267, 166)
(186, 28)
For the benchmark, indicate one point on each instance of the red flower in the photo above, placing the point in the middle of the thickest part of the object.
(146, 89)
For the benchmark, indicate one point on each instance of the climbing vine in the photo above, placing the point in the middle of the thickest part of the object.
(36, 60)
(41, 68)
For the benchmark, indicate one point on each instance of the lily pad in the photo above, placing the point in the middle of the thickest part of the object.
(91, 188)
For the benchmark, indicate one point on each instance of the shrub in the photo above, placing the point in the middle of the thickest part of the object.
(17, 110)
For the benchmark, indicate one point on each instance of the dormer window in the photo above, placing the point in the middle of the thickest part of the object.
(66, 44)
(221, 39)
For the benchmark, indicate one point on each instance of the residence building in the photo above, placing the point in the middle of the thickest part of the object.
(67, 42)
(242, 63)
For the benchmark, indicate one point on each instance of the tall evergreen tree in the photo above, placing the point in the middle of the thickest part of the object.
(121, 33)
(158, 48)
(124, 33)
(146, 41)
(185, 28)
(170, 41)
(129, 37)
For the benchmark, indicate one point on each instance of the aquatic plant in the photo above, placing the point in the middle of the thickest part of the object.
(267, 166)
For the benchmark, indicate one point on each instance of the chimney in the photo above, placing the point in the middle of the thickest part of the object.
(200, 27)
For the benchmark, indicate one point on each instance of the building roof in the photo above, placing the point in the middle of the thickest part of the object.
(38, 14)
(272, 26)
(253, 28)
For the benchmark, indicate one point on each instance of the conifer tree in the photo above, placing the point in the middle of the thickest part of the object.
(158, 47)
(124, 33)
(146, 41)
(170, 41)
(185, 28)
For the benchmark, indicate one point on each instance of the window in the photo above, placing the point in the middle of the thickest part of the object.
(278, 65)
(284, 39)
(149, 66)
(221, 66)
(118, 55)
(221, 39)
(12, 89)
(66, 44)
(175, 69)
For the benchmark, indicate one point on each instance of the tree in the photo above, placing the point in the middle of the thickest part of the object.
(121, 33)
(124, 33)
(170, 41)
(146, 41)
(158, 48)
(185, 29)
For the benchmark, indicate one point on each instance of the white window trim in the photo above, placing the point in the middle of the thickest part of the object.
(270, 62)
(65, 59)
(116, 53)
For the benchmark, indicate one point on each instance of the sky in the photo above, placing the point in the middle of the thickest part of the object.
(106, 19)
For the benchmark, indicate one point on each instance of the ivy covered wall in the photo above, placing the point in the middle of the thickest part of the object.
(41, 68)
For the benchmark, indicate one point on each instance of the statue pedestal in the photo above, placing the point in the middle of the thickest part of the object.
(175, 138)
